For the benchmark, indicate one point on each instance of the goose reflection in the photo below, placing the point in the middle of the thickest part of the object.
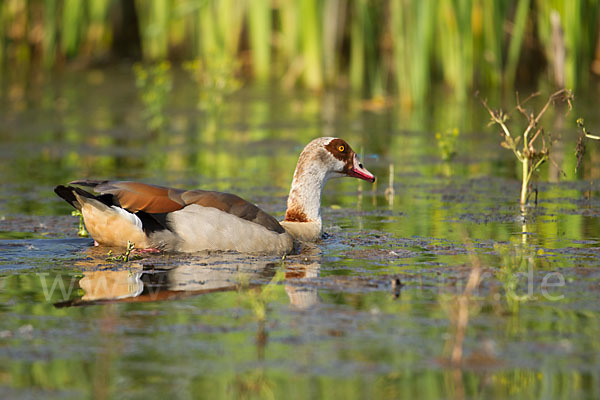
(192, 276)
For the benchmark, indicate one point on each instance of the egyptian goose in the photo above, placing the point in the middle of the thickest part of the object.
(156, 217)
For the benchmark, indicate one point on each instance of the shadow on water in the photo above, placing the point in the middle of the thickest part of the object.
(369, 312)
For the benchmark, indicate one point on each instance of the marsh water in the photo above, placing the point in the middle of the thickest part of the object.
(375, 310)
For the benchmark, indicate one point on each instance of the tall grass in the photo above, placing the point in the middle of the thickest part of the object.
(455, 43)
(154, 17)
(516, 41)
(50, 32)
(412, 33)
(378, 47)
(259, 26)
(579, 22)
(311, 40)
(72, 25)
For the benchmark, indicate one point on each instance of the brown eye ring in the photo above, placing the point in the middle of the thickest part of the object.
(341, 148)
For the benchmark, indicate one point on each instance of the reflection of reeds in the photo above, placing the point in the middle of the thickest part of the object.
(154, 83)
(518, 259)
(462, 315)
(459, 313)
(368, 43)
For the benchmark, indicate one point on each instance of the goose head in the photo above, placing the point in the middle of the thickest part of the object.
(328, 157)
(343, 161)
(322, 159)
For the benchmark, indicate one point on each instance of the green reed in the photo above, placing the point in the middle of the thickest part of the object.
(579, 22)
(379, 47)
(50, 32)
(154, 27)
(259, 26)
(365, 68)
(72, 22)
(516, 41)
(311, 39)
(412, 33)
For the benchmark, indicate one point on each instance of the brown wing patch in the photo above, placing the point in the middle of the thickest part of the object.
(234, 205)
(136, 196)
(221, 201)
(152, 199)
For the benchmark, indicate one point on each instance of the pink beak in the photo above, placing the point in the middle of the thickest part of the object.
(360, 172)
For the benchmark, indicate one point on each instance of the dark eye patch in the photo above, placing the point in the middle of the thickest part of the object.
(346, 156)
(340, 149)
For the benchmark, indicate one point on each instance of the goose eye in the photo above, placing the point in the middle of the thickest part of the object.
(341, 148)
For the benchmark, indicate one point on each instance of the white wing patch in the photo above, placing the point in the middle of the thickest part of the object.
(207, 228)
(131, 217)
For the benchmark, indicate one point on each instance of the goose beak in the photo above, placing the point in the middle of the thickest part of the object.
(360, 172)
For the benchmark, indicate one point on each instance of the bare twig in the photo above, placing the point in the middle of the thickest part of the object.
(498, 116)
(530, 145)
(580, 123)
(531, 96)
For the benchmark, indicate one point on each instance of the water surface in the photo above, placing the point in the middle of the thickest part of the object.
(370, 312)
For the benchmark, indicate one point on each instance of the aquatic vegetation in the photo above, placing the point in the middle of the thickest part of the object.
(81, 231)
(446, 141)
(535, 149)
(125, 257)
(154, 83)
